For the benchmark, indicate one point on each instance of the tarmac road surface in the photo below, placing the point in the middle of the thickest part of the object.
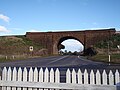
(61, 62)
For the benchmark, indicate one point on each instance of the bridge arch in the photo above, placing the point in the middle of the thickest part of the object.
(62, 39)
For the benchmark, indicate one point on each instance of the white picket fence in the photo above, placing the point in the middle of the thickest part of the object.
(31, 79)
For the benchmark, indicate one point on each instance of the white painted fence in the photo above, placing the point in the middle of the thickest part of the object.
(17, 79)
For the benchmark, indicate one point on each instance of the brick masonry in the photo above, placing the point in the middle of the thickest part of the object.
(51, 40)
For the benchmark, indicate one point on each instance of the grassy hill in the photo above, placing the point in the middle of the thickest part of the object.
(19, 46)
(113, 42)
(106, 47)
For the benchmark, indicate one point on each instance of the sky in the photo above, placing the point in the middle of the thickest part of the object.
(72, 45)
(20, 16)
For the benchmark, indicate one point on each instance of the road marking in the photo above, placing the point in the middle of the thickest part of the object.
(57, 59)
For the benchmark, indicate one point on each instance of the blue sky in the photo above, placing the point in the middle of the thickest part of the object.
(20, 16)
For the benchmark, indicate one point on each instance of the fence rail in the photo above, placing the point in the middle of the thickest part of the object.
(39, 78)
(57, 86)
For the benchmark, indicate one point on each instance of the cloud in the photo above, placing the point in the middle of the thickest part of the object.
(4, 29)
(71, 42)
(34, 30)
(72, 45)
(4, 18)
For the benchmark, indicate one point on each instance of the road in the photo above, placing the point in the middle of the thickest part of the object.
(61, 62)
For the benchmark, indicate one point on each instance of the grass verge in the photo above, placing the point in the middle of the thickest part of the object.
(114, 58)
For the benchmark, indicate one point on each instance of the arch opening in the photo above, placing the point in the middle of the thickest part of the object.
(70, 45)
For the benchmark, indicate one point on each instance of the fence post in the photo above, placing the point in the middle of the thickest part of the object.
(9, 74)
(4, 76)
(104, 77)
(46, 79)
(57, 76)
(30, 76)
(92, 77)
(14, 77)
(19, 76)
(73, 76)
(52, 75)
(41, 76)
(9, 77)
(117, 77)
(25, 76)
(68, 76)
(6, 57)
(79, 77)
(85, 77)
(35, 75)
(111, 78)
(98, 78)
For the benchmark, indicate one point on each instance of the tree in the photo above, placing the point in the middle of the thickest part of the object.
(69, 53)
(61, 46)
(90, 51)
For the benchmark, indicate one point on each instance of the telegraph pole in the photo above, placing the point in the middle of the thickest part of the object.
(109, 52)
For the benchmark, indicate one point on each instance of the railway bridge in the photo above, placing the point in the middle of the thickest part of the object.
(52, 40)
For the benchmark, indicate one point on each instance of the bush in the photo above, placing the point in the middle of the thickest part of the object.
(90, 51)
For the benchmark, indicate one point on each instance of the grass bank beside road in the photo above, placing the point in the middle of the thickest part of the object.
(16, 58)
(114, 58)
(18, 47)
(11, 58)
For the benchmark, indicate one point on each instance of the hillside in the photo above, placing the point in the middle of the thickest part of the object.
(113, 42)
(111, 47)
(19, 45)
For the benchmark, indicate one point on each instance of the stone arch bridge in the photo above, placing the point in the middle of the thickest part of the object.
(51, 40)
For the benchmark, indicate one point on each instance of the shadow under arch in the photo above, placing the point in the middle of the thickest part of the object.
(66, 38)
